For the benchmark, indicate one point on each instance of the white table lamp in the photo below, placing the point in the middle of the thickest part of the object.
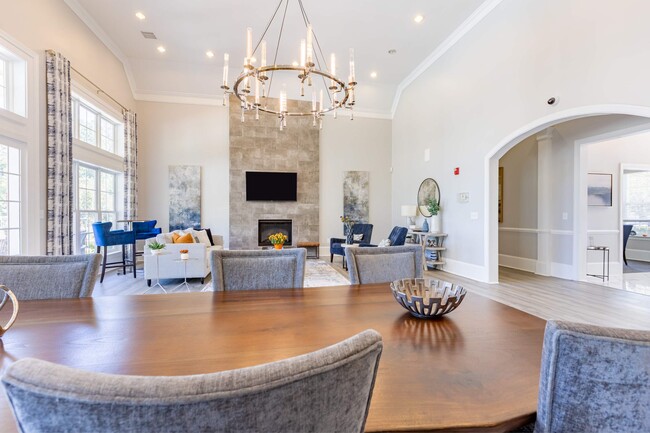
(409, 211)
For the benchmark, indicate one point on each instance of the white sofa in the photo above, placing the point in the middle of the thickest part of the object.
(168, 265)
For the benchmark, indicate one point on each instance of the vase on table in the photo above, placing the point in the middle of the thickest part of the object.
(436, 224)
(277, 246)
(425, 225)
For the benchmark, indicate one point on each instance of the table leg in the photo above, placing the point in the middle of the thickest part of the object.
(157, 277)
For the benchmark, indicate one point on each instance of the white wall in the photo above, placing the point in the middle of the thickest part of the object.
(39, 25)
(359, 145)
(181, 134)
(495, 81)
(176, 134)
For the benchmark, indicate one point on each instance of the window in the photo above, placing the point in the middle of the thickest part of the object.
(10, 227)
(93, 126)
(3, 84)
(13, 82)
(96, 201)
(636, 203)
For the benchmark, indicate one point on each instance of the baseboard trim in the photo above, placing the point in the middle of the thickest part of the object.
(521, 263)
(467, 270)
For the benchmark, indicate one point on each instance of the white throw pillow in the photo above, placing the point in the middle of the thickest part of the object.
(384, 243)
(358, 237)
(201, 236)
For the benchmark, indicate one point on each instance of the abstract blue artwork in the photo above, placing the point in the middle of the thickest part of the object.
(184, 197)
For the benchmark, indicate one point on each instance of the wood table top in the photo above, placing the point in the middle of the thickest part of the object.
(476, 369)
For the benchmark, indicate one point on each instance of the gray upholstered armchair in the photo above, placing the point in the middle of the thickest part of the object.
(594, 379)
(384, 264)
(363, 232)
(258, 269)
(324, 391)
(50, 277)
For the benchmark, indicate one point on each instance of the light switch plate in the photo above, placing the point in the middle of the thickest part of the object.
(473, 215)
(565, 216)
(463, 197)
(427, 155)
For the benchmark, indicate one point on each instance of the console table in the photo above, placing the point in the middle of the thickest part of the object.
(432, 248)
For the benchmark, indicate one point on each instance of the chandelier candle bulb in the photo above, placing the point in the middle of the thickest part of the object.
(257, 92)
(249, 45)
(283, 101)
(303, 50)
(226, 57)
(320, 107)
(352, 72)
(313, 101)
(310, 45)
(333, 71)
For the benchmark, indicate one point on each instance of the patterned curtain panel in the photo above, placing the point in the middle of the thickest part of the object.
(130, 165)
(59, 156)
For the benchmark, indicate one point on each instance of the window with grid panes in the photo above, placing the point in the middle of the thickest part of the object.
(96, 201)
(92, 126)
(636, 204)
(10, 198)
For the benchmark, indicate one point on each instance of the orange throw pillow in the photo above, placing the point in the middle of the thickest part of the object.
(185, 239)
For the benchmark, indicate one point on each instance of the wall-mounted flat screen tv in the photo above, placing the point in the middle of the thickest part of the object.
(271, 186)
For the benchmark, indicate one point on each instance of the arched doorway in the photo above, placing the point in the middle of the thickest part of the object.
(491, 235)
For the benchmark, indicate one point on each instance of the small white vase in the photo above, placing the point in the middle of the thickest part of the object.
(436, 224)
(156, 252)
(185, 256)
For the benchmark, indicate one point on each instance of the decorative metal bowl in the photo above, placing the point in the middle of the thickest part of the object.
(427, 298)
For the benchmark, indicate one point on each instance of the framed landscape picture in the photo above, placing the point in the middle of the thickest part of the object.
(599, 189)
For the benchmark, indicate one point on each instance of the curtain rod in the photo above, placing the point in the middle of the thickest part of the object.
(99, 89)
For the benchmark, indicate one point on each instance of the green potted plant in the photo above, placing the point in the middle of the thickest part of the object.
(155, 247)
(433, 206)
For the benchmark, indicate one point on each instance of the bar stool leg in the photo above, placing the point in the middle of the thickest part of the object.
(133, 257)
(123, 259)
(101, 279)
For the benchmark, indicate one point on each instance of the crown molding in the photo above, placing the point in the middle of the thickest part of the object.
(481, 12)
(84, 16)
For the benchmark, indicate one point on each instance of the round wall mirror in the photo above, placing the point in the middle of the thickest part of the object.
(428, 190)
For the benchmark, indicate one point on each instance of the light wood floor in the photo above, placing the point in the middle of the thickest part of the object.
(545, 297)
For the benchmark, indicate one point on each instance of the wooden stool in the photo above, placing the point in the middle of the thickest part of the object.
(308, 246)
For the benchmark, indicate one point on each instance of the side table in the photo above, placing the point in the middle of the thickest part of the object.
(157, 273)
(605, 251)
(184, 283)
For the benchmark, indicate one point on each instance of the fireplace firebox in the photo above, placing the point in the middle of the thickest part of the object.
(265, 228)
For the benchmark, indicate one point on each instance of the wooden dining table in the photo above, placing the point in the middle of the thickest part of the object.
(476, 369)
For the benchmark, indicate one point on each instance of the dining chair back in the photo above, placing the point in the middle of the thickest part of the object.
(258, 269)
(324, 391)
(49, 277)
(593, 379)
(384, 264)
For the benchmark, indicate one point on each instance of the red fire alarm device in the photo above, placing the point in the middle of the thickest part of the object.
(456, 171)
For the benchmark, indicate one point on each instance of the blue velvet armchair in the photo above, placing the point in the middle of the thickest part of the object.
(397, 237)
(105, 237)
(357, 229)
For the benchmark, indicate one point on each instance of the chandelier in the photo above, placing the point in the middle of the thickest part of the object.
(255, 83)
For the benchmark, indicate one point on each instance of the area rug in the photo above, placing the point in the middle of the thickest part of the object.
(319, 274)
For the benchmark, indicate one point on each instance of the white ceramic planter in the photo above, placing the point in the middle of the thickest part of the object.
(185, 256)
(156, 252)
(436, 224)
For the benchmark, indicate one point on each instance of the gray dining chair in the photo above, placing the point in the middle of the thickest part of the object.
(384, 264)
(324, 391)
(594, 379)
(258, 269)
(50, 277)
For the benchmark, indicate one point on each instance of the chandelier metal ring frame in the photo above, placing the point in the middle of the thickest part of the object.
(341, 94)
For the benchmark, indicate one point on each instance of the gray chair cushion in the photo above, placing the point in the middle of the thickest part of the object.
(594, 379)
(258, 269)
(384, 264)
(324, 391)
(49, 277)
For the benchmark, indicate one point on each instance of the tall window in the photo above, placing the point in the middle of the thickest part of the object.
(636, 203)
(13, 82)
(96, 201)
(10, 226)
(97, 170)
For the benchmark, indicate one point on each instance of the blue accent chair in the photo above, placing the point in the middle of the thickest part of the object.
(145, 230)
(627, 231)
(105, 237)
(397, 237)
(335, 243)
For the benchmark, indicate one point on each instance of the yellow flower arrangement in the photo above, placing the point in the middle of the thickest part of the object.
(278, 238)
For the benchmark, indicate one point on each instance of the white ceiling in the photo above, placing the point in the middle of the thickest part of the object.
(189, 28)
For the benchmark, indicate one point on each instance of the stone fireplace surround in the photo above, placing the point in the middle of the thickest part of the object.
(259, 145)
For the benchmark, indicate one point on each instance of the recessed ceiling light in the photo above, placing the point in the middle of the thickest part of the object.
(161, 49)
(418, 18)
(210, 54)
(140, 15)
(373, 74)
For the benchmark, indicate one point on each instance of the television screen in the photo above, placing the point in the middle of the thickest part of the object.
(271, 186)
